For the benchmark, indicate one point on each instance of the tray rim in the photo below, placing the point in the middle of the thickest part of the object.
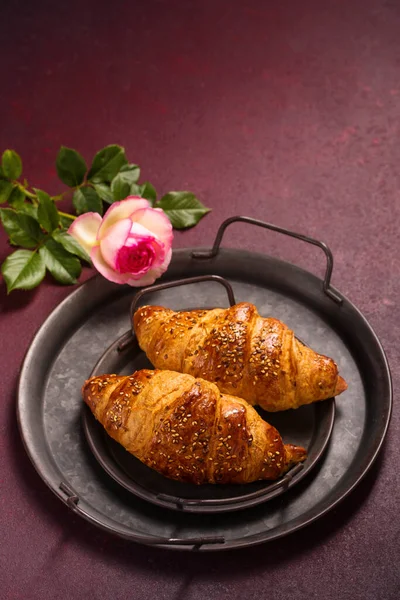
(231, 544)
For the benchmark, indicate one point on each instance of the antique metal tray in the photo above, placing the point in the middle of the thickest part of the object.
(84, 328)
(310, 427)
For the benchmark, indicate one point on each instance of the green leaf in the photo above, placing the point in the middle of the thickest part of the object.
(22, 229)
(121, 185)
(23, 270)
(48, 215)
(11, 164)
(1, 173)
(17, 198)
(135, 189)
(107, 163)
(148, 191)
(64, 267)
(134, 171)
(6, 188)
(71, 166)
(104, 191)
(86, 199)
(120, 189)
(71, 245)
(183, 209)
(28, 209)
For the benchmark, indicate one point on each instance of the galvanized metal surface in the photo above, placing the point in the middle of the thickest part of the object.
(70, 342)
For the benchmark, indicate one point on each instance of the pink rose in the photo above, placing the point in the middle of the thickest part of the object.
(130, 244)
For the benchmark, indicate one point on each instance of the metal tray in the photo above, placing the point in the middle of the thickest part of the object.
(310, 427)
(81, 328)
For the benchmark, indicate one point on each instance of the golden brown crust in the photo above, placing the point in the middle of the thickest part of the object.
(256, 358)
(185, 429)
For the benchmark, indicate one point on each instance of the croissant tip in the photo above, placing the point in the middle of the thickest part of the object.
(296, 454)
(143, 311)
(85, 386)
(341, 386)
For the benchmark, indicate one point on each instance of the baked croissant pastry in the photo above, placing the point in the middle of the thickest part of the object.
(185, 429)
(246, 355)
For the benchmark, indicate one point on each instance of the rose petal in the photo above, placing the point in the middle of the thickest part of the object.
(103, 268)
(161, 251)
(84, 229)
(140, 230)
(151, 275)
(156, 221)
(121, 210)
(160, 263)
(167, 260)
(115, 238)
(147, 279)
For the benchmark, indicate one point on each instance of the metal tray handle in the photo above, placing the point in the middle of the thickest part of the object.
(72, 501)
(171, 284)
(179, 282)
(204, 254)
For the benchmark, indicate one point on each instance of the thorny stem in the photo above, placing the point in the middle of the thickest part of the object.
(59, 196)
(68, 215)
(33, 196)
(26, 192)
(34, 199)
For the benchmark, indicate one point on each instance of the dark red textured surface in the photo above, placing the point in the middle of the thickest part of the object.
(286, 111)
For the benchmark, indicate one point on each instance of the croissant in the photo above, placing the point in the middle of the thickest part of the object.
(246, 355)
(185, 429)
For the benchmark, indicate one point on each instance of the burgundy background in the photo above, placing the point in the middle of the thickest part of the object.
(286, 111)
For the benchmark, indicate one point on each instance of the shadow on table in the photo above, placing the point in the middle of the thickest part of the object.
(103, 546)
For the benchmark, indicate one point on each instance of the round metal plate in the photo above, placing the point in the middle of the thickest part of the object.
(309, 426)
(81, 328)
